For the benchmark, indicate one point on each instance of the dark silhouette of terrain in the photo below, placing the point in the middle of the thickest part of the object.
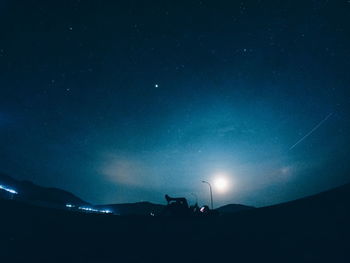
(139, 208)
(43, 196)
(29, 192)
(312, 229)
(233, 208)
(148, 208)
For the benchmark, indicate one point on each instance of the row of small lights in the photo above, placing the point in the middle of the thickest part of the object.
(89, 209)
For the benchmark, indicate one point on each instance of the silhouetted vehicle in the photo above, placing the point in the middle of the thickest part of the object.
(178, 206)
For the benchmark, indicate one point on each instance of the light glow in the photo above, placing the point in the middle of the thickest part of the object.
(106, 211)
(8, 190)
(91, 210)
(88, 209)
(221, 183)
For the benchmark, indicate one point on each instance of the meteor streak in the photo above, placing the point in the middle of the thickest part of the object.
(312, 130)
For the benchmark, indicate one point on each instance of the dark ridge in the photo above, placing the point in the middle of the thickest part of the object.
(44, 196)
(311, 229)
(233, 208)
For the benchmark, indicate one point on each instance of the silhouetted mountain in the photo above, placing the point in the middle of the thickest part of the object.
(147, 208)
(336, 198)
(44, 196)
(139, 208)
(311, 229)
(325, 204)
(233, 208)
(54, 197)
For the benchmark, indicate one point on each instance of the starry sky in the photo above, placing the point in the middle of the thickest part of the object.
(124, 101)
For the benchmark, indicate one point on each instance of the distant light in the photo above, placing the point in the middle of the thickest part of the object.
(93, 210)
(221, 183)
(8, 190)
(89, 209)
(69, 205)
(106, 211)
(156, 85)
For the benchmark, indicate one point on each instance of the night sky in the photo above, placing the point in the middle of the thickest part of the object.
(123, 101)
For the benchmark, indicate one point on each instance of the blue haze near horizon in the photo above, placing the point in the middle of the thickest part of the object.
(126, 101)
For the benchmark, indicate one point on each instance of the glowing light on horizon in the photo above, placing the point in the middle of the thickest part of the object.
(221, 183)
(106, 211)
(8, 190)
(90, 209)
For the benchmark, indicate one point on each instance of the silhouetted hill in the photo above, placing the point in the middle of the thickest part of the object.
(54, 197)
(311, 229)
(147, 208)
(233, 208)
(46, 196)
(333, 200)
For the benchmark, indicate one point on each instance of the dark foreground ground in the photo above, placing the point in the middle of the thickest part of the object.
(315, 229)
